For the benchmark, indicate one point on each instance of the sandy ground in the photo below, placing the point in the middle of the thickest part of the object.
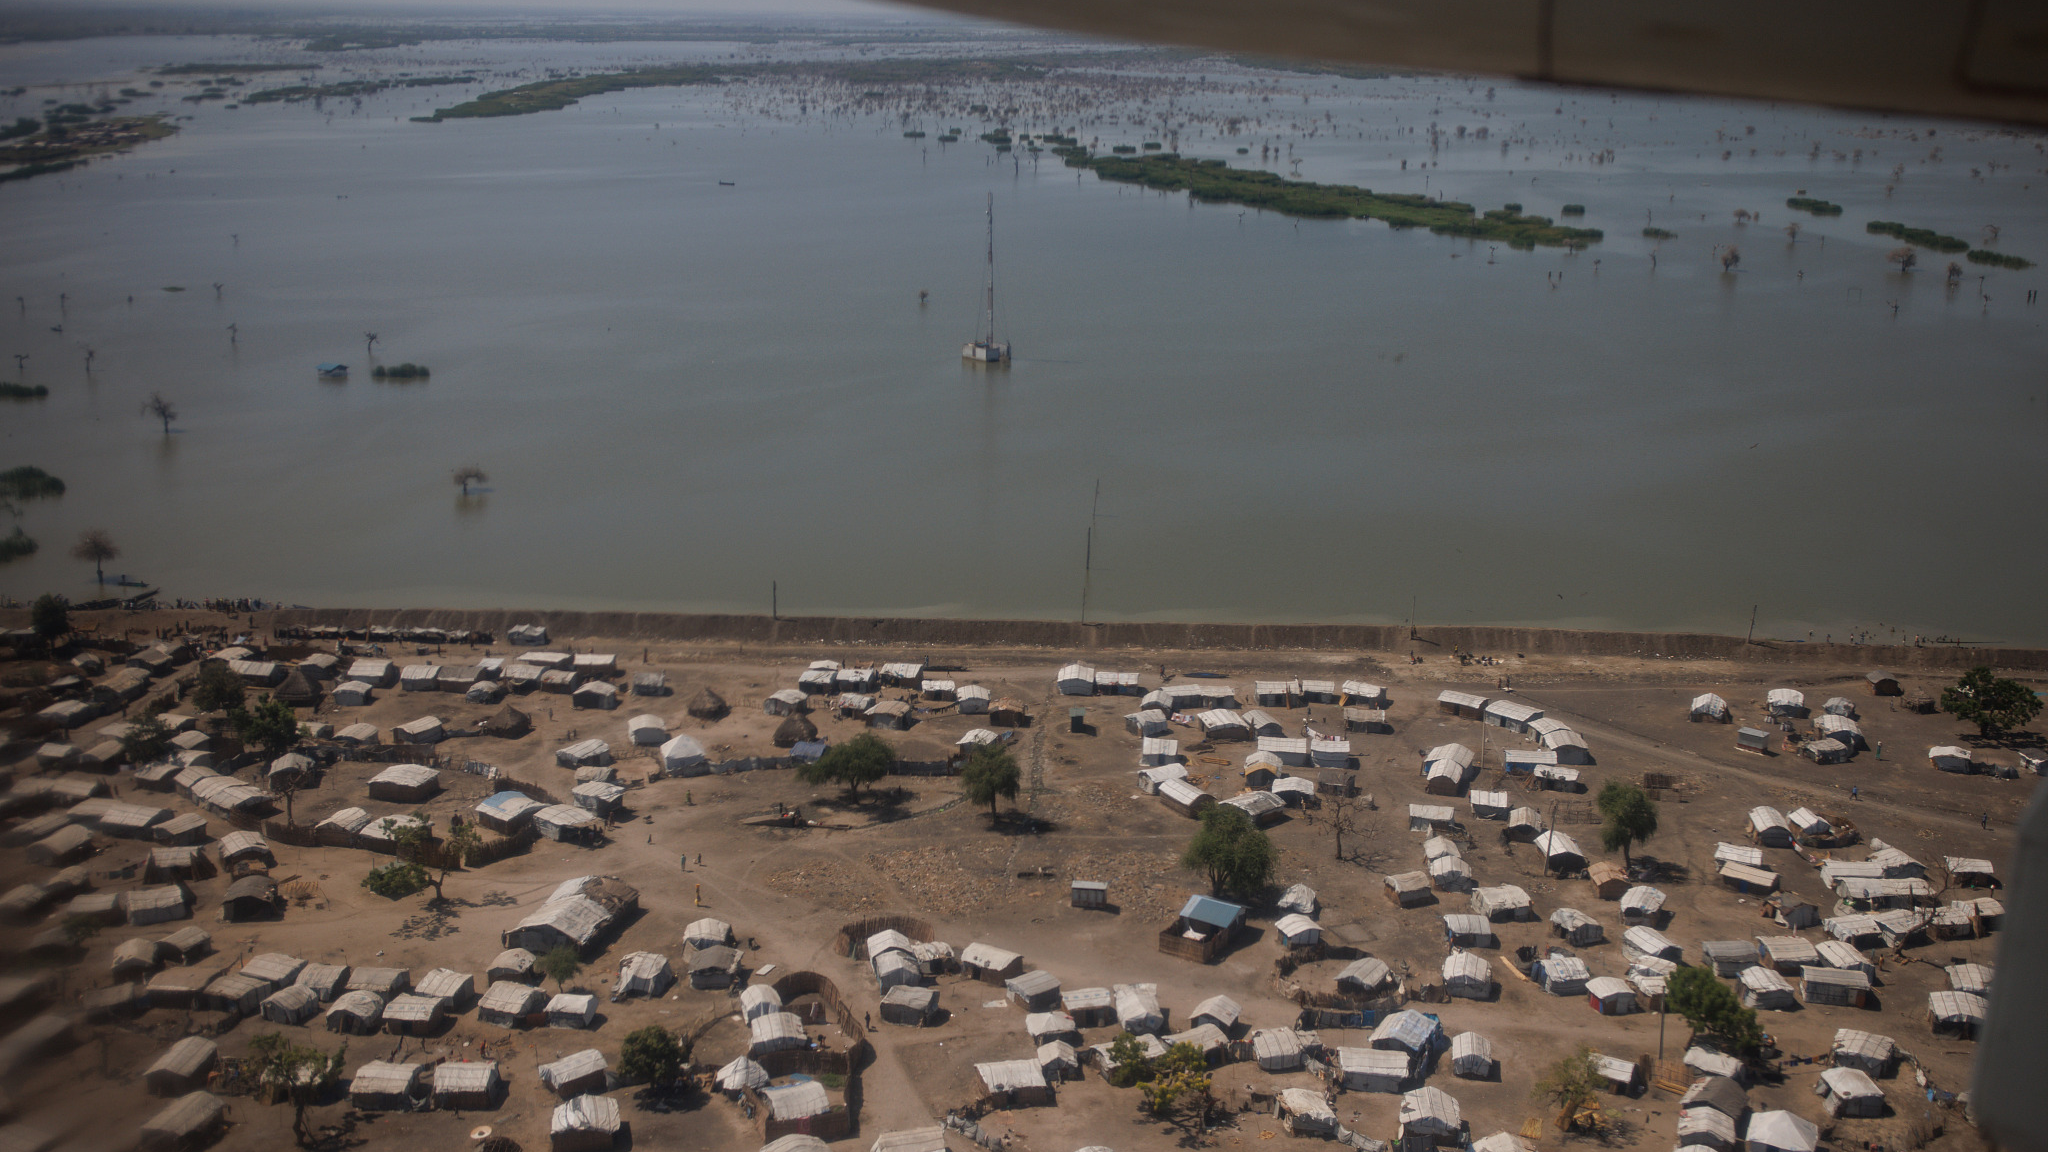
(914, 849)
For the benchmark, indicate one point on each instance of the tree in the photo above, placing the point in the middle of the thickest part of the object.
(1573, 1084)
(470, 474)
(1630, 817)
(653, 1055)
(1231, 851)
(990, 772)
(1993, 704)
(1180, 1076)
(80, 929)
(162, 409)
(396, 880)
(1128, 1063)
(97, 547)
(217, 689)
(1792, 232)
(298, 1073)
(369, 343)
(146, 740)
(861, 760)
(560, 964)
(1730, 257)
(411, 838)
(50, 618)
(271, 725)
(1712, 1010)
(1904, 257)
(1340, 816)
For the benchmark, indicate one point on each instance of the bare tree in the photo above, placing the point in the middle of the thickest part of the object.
(1955, 273)
(162, 409)
(96, 546)
(369, 343)
(470, 474)
(1792, 232)
(1990, 234)
(1904, 257)
(1730, 257)
(1340, 815)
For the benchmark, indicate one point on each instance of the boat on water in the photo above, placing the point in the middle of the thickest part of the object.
(985, 348)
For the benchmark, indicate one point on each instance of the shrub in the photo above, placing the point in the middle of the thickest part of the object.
(652, 1055)
(1572, 210)
(1999, 260)
(1918, 237)
(396, 880)
(1817, 207)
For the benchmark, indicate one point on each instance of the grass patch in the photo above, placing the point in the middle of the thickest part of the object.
(299, 92)
(1998, 259)
(1917, 237)
(9, 390)
(1817, 207)
(1216, 182)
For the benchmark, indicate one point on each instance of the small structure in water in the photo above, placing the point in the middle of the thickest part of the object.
(332, 371)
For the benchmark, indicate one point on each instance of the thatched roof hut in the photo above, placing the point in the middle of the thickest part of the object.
(507, 722)
(794, 730)
(707, 705)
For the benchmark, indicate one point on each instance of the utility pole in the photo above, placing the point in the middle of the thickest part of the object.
(1751, 638)
(774, 601)
(1088, 555)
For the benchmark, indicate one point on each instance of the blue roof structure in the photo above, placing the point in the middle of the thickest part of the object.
(1212, 912)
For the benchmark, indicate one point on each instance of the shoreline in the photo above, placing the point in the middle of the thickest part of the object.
(901, 632)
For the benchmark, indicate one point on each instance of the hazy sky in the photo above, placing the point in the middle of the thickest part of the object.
(739, 9)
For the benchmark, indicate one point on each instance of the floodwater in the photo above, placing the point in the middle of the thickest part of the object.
(686, 391)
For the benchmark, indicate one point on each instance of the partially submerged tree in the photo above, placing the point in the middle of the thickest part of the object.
(470, 474)
(1994, 704)
(560, 964)
(1231, 851)
(217, 688)
(1904, 257)
(1629, 817)
(1730, 256)
(1712, 1009)
(96, 547)
(990, 772)
(160, 408)
(861, 760)
(1573, 1085)
(653, 1055)
(298, 1073)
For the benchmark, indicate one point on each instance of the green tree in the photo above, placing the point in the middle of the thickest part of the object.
(861, 760)
(1128, 1063)
(297, 1073)
(1572, 1084)
(560, 964)
(1629, 817)
(271, 726)
(412, 838)
(217, 688)
(80, 929)
(1181, 1077)
(990, 772)
(1711, 1009)
(396, 880)
(146, 740)
(1231, 851)
(96, 547)
(50, 617)
(652, 1055)
(1995, 705)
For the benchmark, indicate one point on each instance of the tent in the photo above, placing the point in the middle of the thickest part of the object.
(1781, 1131)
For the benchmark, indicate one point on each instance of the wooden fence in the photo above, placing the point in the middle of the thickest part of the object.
(852, 939)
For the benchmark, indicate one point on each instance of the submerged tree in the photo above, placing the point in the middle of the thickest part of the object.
(1904, 257)
(470, 474)
(96, 547)
(162, 409)
(1730, 257)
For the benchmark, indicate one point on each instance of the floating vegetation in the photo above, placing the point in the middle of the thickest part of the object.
(9, 390)
(1817, 207)
(913, 135)
(1998, 259)
(1151, 145)
(1216, 182)
(231, 69)
(1572, 210)
(1658, 233)
(298, 92)
(1918, 237)
(346, 42)
(1124, 149)
(1244, 151)
(405, 371)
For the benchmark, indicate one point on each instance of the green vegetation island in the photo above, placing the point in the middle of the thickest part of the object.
(1928, 238)
(297, 93)
(1817, 207)
(67, 139)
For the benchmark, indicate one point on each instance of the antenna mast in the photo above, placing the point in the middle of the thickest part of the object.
(991, 268)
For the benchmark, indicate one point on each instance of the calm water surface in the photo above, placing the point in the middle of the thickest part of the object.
(683, 390)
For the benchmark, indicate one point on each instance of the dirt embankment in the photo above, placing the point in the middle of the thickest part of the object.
(1069, 636)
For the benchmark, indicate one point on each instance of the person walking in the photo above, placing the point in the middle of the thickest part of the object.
(1984, 821)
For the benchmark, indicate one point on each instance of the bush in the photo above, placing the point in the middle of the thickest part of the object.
(1999, 260)
(1817, 207)
(1658, 233)
(396, 880)
(1918, 237)
(1572, 210)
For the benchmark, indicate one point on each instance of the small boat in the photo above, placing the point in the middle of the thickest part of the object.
(987, 349)
(332, 371)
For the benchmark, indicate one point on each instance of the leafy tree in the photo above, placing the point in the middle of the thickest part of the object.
(217, 688)
(96, 547)
(1711, 1009)
(470, 474)
(1905, 258)
(560, 964)
(298, 1073)
(412, 838)
(162, 409)
(50, 617)
(1180, 1076)
(148, 739)
(271, 725)
(1573, 1084)
(653, 1055)
(1128, 1063)
(1630, 817)
(396, 880)
(1993, 704)
(80, 929)
(861, 760)
(990, 772)
(1231, 851)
